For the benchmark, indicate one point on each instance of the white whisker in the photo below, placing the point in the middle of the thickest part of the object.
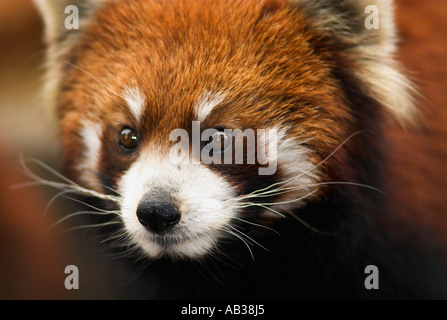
(100, 82)
(266, 190)
(68, 186)
(288, 201)
(240, 238)
(71, 215)
(256, 224)
(98, 225)
(246, 236)
(57, 195)
(91, 206)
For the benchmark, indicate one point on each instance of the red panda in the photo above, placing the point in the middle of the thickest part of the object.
(310, 72)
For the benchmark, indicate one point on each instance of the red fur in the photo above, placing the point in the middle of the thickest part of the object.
(193, 46)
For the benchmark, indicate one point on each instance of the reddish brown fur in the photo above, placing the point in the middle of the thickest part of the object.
(276, 68)
(417, 171)
(189, 47)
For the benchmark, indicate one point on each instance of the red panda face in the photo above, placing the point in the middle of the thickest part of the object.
(142, 71)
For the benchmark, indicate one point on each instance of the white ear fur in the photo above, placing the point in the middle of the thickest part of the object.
(60, 40)
(372, 49)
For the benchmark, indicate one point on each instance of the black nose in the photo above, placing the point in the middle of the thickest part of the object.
(157, 216)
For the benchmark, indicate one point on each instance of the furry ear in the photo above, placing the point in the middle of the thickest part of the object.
(60, 39)
(366, 31)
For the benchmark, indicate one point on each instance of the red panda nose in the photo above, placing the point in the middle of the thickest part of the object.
(157, 216)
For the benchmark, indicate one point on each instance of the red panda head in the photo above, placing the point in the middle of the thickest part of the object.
(138, 72)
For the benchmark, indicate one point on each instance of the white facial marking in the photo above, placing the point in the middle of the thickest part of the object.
(91, 134)
(135, 100)
(204, 208)
(207, 102)
(300, 174)
(294, 157)
(207, 202)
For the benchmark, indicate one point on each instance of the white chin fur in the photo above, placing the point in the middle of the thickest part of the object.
(204, 208)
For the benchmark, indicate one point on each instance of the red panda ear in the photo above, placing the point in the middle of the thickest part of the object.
(61, 34)
(366, 31)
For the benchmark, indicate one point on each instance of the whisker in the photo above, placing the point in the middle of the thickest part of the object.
(290, 180)
(93, 207)
(279, 191)
(247, 237)
(97, 225)
(289, 201)
(304, 223)
(106, 187)
(71, 215)
(100, 82)
(256, 224)
(117, 237)
(69, 185)
(59, 194)
(23, 165)
(240, 238)
(265, 207)
(335, 150)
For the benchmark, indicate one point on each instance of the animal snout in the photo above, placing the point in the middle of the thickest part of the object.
(158, 214)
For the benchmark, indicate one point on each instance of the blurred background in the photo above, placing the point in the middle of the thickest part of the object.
(32, 260)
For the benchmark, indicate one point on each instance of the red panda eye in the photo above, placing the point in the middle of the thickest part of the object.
(128, 139)
(220, 142)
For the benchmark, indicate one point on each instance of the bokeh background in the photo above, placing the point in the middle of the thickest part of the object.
(32, 260)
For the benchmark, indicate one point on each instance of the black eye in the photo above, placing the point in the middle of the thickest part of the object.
(219, 142)
(128, 139)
